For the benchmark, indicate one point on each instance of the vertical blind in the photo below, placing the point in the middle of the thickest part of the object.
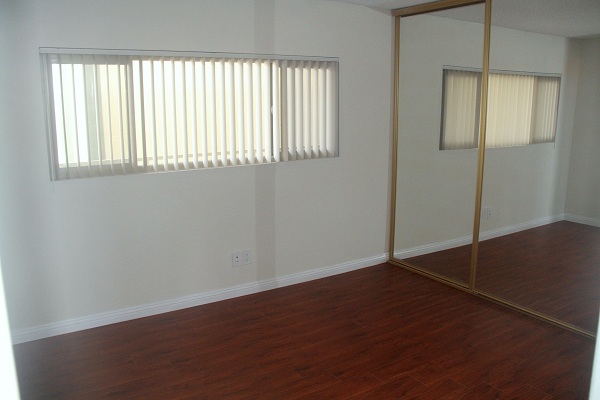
(118, 113)
(461, 101)
(522, 109)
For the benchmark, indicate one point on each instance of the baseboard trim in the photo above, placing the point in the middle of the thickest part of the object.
(130, 313)
(521, 227)
(582, 220)
(465, 240)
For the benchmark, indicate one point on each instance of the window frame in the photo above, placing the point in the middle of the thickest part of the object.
(131, 164)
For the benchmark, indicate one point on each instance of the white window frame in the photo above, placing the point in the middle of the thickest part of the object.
(248, 109)
(505, 128)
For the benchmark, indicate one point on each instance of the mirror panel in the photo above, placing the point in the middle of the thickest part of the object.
(538, 247)
(435, 189)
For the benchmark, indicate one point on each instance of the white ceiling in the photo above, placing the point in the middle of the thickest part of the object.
(568, 18)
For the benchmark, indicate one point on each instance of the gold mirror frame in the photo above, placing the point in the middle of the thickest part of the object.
(423, 9)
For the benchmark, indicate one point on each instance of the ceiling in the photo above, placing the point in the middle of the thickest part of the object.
(568, 18)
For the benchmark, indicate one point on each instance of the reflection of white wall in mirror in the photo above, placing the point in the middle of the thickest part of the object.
(437, 188)
(539, 175)
(583, 190)
(436, 191)
(527, 185)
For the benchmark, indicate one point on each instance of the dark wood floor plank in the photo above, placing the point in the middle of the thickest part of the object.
(376, 333)
(353, 386)
(553, 269)
(397, 388)
(527, 393)
(483, 392)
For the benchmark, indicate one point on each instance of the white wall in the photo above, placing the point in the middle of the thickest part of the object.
(9, 387)
(583, 191)
(78, 248)
(436, 195)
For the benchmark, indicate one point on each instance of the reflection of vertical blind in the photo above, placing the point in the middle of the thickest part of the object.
(510, 105)
(461, 99)
(522, 109)
(546, 108)
(145, 113)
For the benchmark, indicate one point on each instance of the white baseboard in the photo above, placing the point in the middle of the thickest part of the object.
(432, 247)
(126, 314)
(582, 220)
(521, 227)
(465, 240)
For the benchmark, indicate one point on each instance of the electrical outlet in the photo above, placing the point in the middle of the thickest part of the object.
(236, 259)
(246, 257)
(486, 212)
(240, 258)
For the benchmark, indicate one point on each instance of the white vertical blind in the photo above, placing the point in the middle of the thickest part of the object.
(117, 114)
(522, 109)
(322, 104)
(239, 111)
(266, 141)
(99, 155)
(509, 110)
(211, 100)
(306, 107)
(131, 115)
(546, 107)
(193, 114)
(284, 108)
(276, 110)
(258, 111)
(461, 98)
(312, 109)
(298, 114)
(201, 95)
(230, 94)
(291, 111)
(91, 113)
(314, 112)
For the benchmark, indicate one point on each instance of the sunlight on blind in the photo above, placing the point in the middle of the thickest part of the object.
(129, 114)
(194, 112)
(90, 100)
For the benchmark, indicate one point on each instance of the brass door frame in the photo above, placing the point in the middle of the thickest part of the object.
(471, 287)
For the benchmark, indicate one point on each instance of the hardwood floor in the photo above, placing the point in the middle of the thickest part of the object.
(553, 269)
(376, 333)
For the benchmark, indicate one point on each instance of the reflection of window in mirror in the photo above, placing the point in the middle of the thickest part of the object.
(522, 109)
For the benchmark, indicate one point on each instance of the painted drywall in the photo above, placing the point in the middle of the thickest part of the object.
(583, 190)
(9, 387)
(77, 248)
(436, 192)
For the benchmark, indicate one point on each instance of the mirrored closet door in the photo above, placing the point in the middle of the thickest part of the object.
(517, 171)
(436, 183)
(539, 248)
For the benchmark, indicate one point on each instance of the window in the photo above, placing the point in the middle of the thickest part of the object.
(522, 109)
(113, 112)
